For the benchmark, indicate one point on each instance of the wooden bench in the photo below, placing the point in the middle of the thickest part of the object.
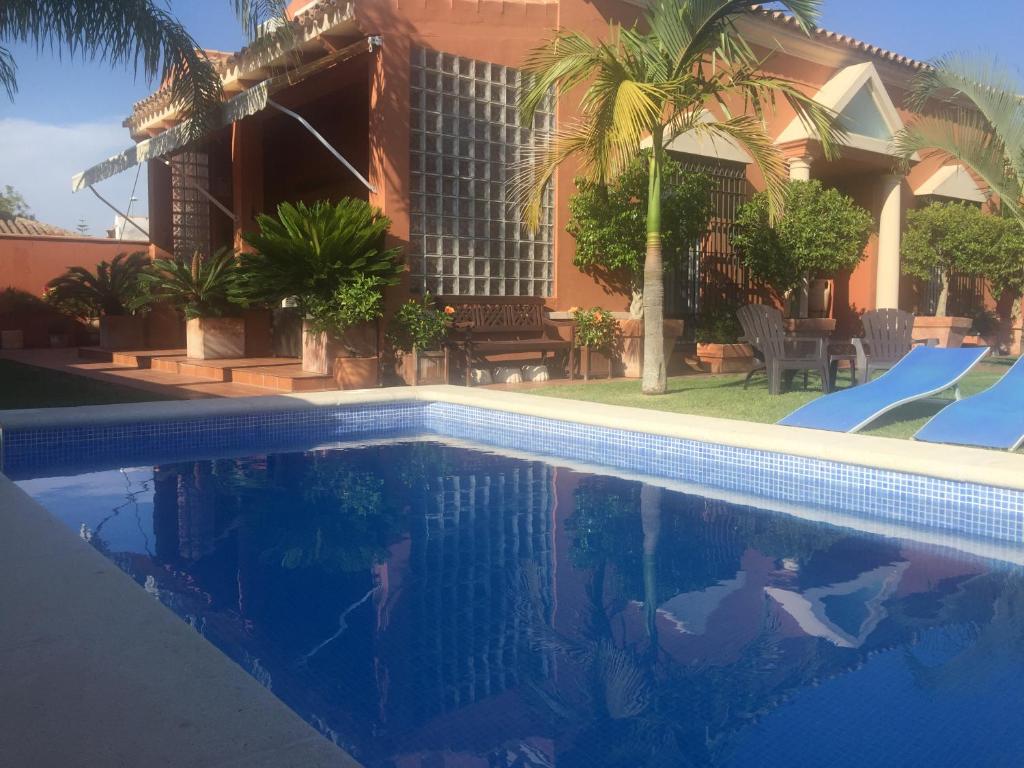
(498, 325)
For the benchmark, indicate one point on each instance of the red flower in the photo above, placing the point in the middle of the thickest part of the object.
(449, 310)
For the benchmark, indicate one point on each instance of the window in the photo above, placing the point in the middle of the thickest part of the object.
(190, 211)
(466, 236)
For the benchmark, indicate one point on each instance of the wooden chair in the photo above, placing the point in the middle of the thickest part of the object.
(888, 336)
(763, 329)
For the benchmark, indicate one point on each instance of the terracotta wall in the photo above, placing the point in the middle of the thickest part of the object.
(29, 263)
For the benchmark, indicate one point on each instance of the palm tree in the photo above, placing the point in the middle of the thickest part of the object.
(975, 114)
(111, 290)
(655, 84)
(138, 34)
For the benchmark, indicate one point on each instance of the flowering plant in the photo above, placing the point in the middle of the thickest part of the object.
(420, 325)
(595, 328)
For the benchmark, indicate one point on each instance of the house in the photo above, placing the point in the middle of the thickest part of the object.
(412, 107)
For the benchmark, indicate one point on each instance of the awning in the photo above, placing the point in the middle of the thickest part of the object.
(245, 104)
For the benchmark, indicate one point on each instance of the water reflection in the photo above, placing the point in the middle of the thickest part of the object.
(425, 605)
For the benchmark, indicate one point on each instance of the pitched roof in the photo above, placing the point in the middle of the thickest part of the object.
(19, 225)
(836, 38)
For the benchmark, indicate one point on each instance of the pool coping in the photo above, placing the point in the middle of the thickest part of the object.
(947, 462)
(98, 672)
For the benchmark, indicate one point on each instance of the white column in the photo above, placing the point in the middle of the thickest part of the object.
(887, 278)
(800, 170)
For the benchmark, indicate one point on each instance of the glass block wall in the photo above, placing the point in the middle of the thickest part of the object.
(466, 236)
(190, 210)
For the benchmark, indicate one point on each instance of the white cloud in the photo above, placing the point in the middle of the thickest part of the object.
(39, 159)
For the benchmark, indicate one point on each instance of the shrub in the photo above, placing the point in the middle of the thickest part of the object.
(596, 328)
(200, 288)
(945, 237)
(112, 290)
(822, 231)
(419, 325)
(352, 303)
(609, 222)
(720, 326)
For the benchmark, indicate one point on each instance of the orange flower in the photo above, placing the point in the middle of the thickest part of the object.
(598, 316)
(574, 310)
(449, 310)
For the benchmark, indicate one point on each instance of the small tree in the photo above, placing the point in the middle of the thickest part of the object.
(12, 204)
(945, 237)
(822, 231)
(609, 222)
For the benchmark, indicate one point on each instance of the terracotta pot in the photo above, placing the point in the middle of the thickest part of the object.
(357, 372)
(12, 339)
(633, 344)
(122, 332)
(320, 350)
(950, 331)
(427, 367)
(215, 338)
(595, 364)
(726, 358)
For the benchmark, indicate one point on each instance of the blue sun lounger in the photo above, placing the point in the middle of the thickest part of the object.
(923, 372)
(991, 419)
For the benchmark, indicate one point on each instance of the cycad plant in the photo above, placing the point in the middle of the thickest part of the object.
(972, 110)
(309, 251)
(654, 83)
(111, 290)
(200, 287)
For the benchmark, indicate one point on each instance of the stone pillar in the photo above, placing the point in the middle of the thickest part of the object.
(887, 282)
(800, 170)
(160, 230)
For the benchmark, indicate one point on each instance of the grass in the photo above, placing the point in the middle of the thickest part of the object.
(723, 396)
(26, 386)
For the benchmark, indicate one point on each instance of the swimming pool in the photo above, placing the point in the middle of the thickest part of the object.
(424, 601)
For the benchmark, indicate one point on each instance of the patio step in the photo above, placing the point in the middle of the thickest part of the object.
(216, 369)
(139, 358)
(283, 378)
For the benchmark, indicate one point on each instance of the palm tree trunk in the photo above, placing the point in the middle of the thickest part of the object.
(654, 376)
(650, 518)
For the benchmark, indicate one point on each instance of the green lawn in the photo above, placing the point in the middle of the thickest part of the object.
(25, 386)
(724, 396)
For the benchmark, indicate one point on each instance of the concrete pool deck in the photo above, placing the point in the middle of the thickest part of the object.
(97, 672)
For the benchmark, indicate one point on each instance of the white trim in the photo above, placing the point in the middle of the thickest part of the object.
(836, 94)
(953, 181)
(705, 145)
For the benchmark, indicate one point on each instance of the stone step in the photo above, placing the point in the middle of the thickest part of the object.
(136, 358)
(217, 369)
(283, 378)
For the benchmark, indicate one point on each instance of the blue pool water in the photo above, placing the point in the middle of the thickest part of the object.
(433, 606)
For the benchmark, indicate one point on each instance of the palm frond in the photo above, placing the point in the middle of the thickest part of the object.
(137, 34)
(970, 141)
(8, 73)
(989, 87)
(749, 133)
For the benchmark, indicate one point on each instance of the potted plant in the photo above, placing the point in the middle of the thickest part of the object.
(598, 335)
(609, 223)
(109, 294)
(940, 239)
(203, 290)
(718, 346)
(417, 333)
(821, 233)
(332, 260)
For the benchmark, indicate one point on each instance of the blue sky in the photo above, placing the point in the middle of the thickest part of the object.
(67, 114)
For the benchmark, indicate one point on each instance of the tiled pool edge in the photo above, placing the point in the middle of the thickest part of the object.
(966, 491)
(98, 672)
